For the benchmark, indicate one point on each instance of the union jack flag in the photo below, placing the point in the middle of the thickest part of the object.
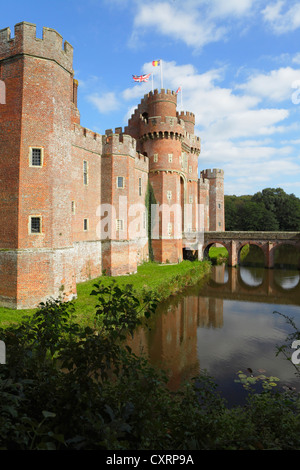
(141, 78)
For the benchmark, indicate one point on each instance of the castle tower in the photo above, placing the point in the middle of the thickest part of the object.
(35, 163)
(123, 202)
(215, 178)
(203, 198)
(173, 165)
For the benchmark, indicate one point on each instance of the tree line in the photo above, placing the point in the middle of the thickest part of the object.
(267, 210)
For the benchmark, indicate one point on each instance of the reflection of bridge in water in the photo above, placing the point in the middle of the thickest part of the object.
(230, 284)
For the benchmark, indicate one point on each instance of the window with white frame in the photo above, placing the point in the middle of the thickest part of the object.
(85, 172)
(170, 228)
(36, 156)
(170, 157)
(119, 225)
(140, 186)
(169, 195)
(120, 182)
(190, 169)
(190, 198)
(155, 157)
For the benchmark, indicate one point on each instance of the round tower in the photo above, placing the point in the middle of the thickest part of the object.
(162, 103)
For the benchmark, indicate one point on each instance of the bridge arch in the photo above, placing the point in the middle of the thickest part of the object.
(261, 247)
(292, 254)
(211, 243)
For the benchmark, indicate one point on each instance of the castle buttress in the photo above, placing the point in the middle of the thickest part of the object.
(72, 201)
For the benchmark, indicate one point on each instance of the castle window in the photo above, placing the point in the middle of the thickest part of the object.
(170, 156)
(119, 225)
(190, 169)
(35, 224)
(144, 220)
(120, 182)
(85, 224)
(170, 228)
(36, 156)
(73, 207)
(155, 157)
(169, 195)
(140, 186)
(219, 206)
(85, 172)
(191, 199)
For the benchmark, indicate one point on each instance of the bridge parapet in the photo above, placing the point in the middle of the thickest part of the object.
(270, 236)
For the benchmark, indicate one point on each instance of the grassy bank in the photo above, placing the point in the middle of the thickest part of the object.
(164, 280)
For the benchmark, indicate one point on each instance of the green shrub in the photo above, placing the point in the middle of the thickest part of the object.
(71, 387)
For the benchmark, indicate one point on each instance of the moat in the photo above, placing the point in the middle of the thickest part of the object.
(225, 325)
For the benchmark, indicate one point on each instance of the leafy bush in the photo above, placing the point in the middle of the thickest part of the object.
(69, 387)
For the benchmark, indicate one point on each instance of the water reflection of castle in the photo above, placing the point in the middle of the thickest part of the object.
(172, 341)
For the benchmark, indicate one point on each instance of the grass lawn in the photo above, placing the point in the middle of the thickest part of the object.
(162, 279)
(218, 252)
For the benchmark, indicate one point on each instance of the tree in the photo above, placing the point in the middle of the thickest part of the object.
(268, 210)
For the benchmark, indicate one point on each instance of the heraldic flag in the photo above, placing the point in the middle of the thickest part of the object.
(156, 63)
(141, 78)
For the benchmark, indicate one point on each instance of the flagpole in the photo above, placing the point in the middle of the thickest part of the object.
(161, 74)
(181, 99)
(152, 81)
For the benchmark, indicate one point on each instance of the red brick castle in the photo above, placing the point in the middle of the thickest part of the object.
(72, 201)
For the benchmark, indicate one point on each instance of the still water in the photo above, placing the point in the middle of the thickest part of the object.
(225, 325)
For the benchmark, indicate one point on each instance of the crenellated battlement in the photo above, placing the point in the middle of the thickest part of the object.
(141, 162)
(215, 173)
(186, 116)
(161, 125)
(118, 143)
(50, 47)
(87, 139)
(162, 94)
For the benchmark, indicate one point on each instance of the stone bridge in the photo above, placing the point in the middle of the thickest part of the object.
(234, 242)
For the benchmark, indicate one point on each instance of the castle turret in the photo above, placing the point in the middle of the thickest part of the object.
(216, 199)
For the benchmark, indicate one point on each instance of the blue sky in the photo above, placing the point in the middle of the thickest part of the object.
(238, 62)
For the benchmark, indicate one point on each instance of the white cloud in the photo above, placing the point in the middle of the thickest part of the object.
(104, 103)
(231, 7)
(180, 23)
(194, 22)
(282, 21)
(276, 86)
(296, 58)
